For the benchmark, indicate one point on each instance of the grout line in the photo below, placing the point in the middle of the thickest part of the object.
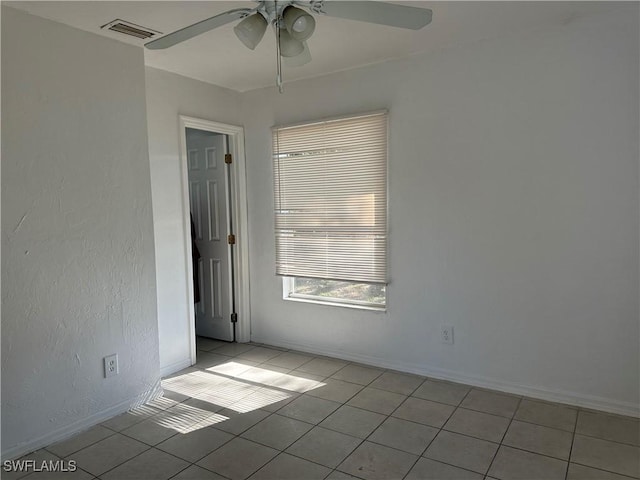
(603, 470)
(607, 440)
(85, 446)
(504, 435)
(439, 428)
(122, 463)
(573, 439)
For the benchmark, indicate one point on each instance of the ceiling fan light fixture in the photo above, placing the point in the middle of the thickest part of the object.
(299, 24)
(251, 30)
(289, 46)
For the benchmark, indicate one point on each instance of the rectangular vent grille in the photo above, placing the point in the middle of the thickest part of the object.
(131, 29)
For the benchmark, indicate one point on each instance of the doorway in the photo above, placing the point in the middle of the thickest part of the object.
(215, 214)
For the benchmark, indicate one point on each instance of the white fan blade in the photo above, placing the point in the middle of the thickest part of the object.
(198, 28)
(401, 16)
(298, 60)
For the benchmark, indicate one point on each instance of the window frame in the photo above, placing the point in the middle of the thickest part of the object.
(289, 295)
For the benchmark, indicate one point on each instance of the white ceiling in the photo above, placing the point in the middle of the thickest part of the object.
(218, 57)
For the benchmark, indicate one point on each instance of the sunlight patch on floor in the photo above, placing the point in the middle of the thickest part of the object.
(232, 385)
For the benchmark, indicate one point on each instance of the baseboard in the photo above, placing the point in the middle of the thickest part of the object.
(541, 393)
(175, 367)
(67, 431)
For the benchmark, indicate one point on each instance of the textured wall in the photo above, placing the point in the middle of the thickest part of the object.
(168, 96)
(513, 206)
(78, 272)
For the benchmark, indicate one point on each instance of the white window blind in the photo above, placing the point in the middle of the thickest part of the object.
(330, 184)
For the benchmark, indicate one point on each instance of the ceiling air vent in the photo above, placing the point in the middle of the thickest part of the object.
(132, 29)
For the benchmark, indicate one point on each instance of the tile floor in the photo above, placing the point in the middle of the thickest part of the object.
(250, 411)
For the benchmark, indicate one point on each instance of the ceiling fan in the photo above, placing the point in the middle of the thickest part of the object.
(294, 25)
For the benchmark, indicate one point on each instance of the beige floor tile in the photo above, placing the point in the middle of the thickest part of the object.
(519, 465)
(337, 475)
(263, 374)
(376, 400)
(377, 462)
(443, 392)
(237, 423)
(194, 445)
(477, 424)
(238, 459)
(397, 382)
(353, 421)
(407, 436)
(462, 451)
(127, 419)
(538, 439)
(150, 431)
(323, 446)
(580, 472)
(322, 366)
(226, 394)
(150, 465)
(289, 360)
(309, 409)
(108, 453)
(490, 402)
(335, 390)
(162, 403)
(277, 431)
(201, 404)
(606, 455)
(233, 367)
(426, 469)
(205, 360)
(276, 403)
(197, 473)
(424, 411)
(263, 398)
(288, 467)
(358, 374)
(609, 427)
(259, 354)
(190, 383)
(298, 382)
(208, 344)
(184, 418)
(234, 349)
(80, 441)
(547, 414)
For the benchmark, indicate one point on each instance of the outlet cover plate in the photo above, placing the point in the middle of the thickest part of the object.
(111, 366)
(446, 334)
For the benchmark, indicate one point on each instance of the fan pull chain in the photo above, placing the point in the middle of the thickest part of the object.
(279, 59)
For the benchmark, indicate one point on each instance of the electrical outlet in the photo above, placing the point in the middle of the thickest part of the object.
(111, 366)
(446, 334)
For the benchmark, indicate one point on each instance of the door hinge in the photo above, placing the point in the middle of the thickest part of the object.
(231, 239)
(228, 158)
(234, 318)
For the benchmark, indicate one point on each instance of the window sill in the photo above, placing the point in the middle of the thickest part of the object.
(337, 304)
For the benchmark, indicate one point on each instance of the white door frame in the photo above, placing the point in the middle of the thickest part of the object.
(240, 221)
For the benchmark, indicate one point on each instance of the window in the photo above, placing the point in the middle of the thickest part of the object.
(330, 185)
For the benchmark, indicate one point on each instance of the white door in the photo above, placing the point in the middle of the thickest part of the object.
(209, 204)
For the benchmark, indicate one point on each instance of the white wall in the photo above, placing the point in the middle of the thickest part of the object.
(168, 96)
(78, 275)
(513, 176)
